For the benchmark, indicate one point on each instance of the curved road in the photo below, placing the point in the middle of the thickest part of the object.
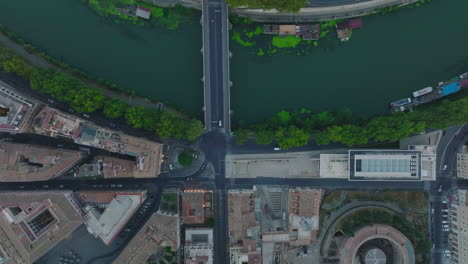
(321, 12)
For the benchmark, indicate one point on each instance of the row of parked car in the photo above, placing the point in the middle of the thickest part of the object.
(445, 224)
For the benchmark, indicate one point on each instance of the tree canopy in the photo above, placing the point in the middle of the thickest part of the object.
(115, 108)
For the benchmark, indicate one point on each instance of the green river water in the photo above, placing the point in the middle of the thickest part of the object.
(391, 56)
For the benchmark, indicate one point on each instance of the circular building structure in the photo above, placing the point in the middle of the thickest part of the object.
(377, 244)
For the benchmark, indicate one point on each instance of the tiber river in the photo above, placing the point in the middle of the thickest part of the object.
(387, 59)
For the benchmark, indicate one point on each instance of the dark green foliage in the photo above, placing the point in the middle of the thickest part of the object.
(185, 158)
(264, 136)
(241, 136)
(341, 127)
(368, 217)
(135, 116)
(210, 222)
(86, 99)
(172, 126)
(81, 97)
(290, 137)
(115, 108)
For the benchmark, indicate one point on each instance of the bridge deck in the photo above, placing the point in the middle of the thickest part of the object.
(216, 65)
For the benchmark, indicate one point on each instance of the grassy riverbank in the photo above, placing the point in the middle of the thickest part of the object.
(248, 34)
(123, 11)
(83, 98)
(295, 128)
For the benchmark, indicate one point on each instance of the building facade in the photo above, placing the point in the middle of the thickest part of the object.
(459, 220)
(462, 164)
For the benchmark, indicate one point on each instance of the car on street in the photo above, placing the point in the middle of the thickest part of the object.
(445, 167)
(277, 149)
(220, 123)
(440, 188)
(445, 210)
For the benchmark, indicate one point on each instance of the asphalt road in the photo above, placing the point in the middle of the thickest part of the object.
(313, 3)
(216, 63)
(452, 139)
(215, 144)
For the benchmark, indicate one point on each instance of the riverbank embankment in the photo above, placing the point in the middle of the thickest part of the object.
(306, 14)
(37, 61)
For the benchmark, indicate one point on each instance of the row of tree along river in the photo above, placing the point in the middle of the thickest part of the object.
(391, 56)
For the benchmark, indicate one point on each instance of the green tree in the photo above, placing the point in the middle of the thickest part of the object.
(241, 136)
(291, 137)
(115, 108)
(41, 79)
(151, 118)
(185, 158)
(210, 221)
(284, 117)
(321, 138)
(264, 136)
(17, 66)
(86, 100)
(193, 130)
(324, 119)
(353, 135)
(285, 42)
(166, 126)
(135, 116)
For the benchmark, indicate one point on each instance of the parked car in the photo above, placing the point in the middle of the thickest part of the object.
(445, 167)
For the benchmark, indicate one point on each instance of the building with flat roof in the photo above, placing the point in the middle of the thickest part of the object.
(244, 228)
(161, 230)
(334, 165)
(33, 222)
(459, 224)
(462, 164)
(304, 208)
(143, 12)
(287, 30)
(108, 224)
(281, 165)
(148, 154)
(196, 205)
(23, 162)
(371, 165)
(198, 246)
(53, 123)
(428, 161)
(15, 110)
(92, 169)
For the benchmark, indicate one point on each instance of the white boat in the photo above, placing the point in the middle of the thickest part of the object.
(422, 91)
